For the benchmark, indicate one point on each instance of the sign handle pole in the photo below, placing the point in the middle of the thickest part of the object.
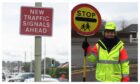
(38, 42)
(84, 66)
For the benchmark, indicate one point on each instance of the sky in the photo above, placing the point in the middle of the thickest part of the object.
(58, 46)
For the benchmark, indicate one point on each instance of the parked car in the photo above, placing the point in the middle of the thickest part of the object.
(44, 78)
(3, 77)
(21, 77)
(12, 75)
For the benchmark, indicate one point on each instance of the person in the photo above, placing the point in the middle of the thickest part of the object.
(63, 78)
(110, 55)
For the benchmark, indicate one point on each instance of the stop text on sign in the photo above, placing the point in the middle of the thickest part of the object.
(85, 14)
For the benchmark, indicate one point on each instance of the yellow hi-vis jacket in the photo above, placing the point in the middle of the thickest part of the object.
(112, 66)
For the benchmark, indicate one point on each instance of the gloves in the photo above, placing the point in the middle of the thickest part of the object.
(125, 79)
(85, 45)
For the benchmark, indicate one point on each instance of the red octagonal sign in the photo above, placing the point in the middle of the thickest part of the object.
(36, 21)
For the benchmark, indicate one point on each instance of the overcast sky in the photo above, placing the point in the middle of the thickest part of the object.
(58, 46)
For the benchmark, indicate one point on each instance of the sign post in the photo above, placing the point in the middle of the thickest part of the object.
(38, 41)
(36, 21)
(86, 21)
(38, 49)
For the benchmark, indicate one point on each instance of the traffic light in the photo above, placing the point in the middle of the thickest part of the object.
(53, 63)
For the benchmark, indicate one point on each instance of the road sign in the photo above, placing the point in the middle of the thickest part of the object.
(36, 21)
(86, 19)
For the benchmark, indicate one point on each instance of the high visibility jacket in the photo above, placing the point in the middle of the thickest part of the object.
(111, 66)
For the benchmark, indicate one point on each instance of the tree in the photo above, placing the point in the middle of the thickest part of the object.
(26, 67)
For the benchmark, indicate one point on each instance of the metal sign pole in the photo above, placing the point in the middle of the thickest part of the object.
(84, 65)
(38, 53)
(37, 58)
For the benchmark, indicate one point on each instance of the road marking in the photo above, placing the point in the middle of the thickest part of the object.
(81, 71)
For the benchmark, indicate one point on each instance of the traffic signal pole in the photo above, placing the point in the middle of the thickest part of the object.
(53, 65)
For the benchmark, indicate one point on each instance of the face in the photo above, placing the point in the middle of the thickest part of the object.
(109, 34)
